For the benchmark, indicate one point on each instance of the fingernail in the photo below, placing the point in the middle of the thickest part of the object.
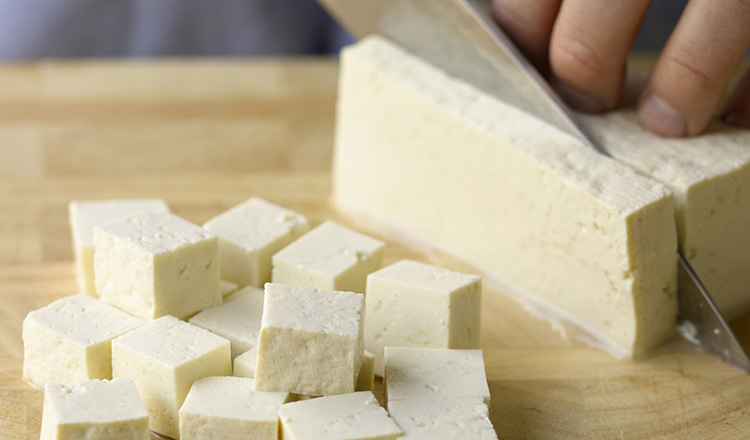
(578, 100)
(659, 117)
(735, 120)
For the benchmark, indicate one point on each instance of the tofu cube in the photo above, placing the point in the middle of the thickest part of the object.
(69, 340)
(238, 319)
(244, 364)
(311, 340)
(228, 287)
(228, 408)
(93, 410)
(329, 257)
(164, 358)
(443, 419)
(412, 304)
(434, 373)
(249, 234)
(354, 416)
(85, 215)
(366, 378)
(156, 264)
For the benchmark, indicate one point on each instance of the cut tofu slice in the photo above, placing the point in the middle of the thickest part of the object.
(433, 158)
(228, 287)
(311, 340)
(443, 419)
(230, 409)
(249, 234)
(366, 377)
(95, 409)
(353, 416)
(330, 257)
(710, 177)
(156, 264)
(85, 215)
(69, 340)
(244, 364)
(238, 319)
(434, 374)
(164, 357)
(413, 304)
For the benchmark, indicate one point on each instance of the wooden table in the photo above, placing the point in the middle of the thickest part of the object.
(205, 135)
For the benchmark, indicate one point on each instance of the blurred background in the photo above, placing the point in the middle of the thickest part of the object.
(32, 29)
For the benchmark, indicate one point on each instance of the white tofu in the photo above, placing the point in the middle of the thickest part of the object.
(710, 177)
(311, 340)
(84, 215)
(443, 419)
(164, 358)
(249, 234)
(434, 373)
(69, 340)
(354, 416)
(228, 287)
(91, 410)
(238, 319)
(228, 408)
(156, 264)
(562, 227)
(412, 304)
(366, 378)
(244, 364)
(329, 257)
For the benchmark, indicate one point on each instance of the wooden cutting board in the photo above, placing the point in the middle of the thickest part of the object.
(205, 135)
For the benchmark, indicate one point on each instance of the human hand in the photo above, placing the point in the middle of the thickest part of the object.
(583, 46)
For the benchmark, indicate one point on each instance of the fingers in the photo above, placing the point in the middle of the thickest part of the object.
(590, 43)
(690, 75)
(737, 110)
(528, 24)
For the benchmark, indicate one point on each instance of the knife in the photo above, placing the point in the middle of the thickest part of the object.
(460, 37)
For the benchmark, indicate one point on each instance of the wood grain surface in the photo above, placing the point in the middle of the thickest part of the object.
(206, 135)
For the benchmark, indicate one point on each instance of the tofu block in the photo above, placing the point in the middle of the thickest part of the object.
(311, 340)
(238, 319)
(563, 228)
(157, 264)
(366, 378)
(69, 340)
(412, 304)
(354, 416)
(443, 419)
(85, 215)
(164, 358)
(227, 287)
(249, 234)
(228, 408)
(329, 257)
(710, 178)
(93, 410)
(434, 374)
(244, 364)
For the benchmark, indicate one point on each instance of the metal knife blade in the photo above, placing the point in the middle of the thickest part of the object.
(460, 37)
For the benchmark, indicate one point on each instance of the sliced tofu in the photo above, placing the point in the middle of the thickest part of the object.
(443, 419)
(93, 409)
(85, 215)
(353, 416)
(238, 319)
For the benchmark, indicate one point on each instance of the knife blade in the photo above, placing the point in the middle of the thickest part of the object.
(460, 37)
